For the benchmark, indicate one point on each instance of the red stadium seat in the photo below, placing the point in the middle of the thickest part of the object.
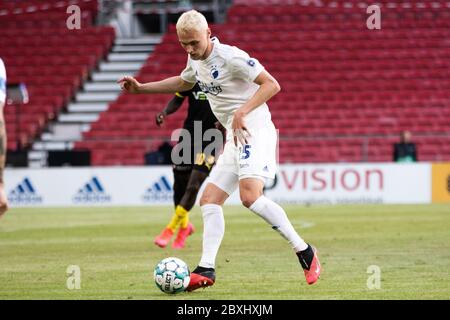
(346, 91)
(51, 60)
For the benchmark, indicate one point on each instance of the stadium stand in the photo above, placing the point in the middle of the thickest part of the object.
(346, 91)
(53, 61)
(350, 86)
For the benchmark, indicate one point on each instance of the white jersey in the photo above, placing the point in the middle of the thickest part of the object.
(2, 81)
(227, 76)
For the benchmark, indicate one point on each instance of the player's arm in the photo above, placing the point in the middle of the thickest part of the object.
(169, 85)
(268, 87)
(174, 104)
(3, 199)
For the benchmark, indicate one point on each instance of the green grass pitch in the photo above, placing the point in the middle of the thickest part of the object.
(115, 252)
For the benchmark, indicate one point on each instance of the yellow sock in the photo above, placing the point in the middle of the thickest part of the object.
(184, 222)
(184, 214)
(180, 217)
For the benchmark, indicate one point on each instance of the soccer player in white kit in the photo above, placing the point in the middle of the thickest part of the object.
(238, 87)
(3, 198)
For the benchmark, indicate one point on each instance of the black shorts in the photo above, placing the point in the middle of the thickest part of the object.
(198, 158)
(182, 175)
(201, 163)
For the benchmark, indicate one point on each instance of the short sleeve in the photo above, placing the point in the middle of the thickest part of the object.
(246, 68)
(2, 82)
(188, 74)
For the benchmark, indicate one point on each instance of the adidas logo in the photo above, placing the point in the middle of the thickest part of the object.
(160, 191)
(92, 192)
(24, 193)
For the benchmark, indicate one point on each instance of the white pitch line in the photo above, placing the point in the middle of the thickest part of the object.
(307, 224)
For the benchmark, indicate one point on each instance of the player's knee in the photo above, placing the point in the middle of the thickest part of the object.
(210, 198)
(3, 208)
(249, 193)
(205, 199)
(248, 199)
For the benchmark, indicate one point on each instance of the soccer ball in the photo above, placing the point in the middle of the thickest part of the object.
(172, 275)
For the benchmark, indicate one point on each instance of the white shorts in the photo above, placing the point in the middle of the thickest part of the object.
(257, 159)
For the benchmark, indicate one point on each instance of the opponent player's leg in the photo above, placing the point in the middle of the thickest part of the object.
(181, 176)
(196, 180)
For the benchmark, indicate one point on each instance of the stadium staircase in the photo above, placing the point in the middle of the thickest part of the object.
(70, 74)
(126, 131)
(40, 51)
(126, 57)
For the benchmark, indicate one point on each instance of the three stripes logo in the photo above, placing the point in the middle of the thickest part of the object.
(24, 193)
(160, 191)
(92, 192)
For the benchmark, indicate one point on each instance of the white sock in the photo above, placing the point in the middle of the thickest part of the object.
(213, 231)
(277, 218)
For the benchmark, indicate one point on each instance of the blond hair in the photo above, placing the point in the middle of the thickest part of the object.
(192, 20)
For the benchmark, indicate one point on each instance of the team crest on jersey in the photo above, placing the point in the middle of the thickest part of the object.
(214, 72)
(251, 62)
